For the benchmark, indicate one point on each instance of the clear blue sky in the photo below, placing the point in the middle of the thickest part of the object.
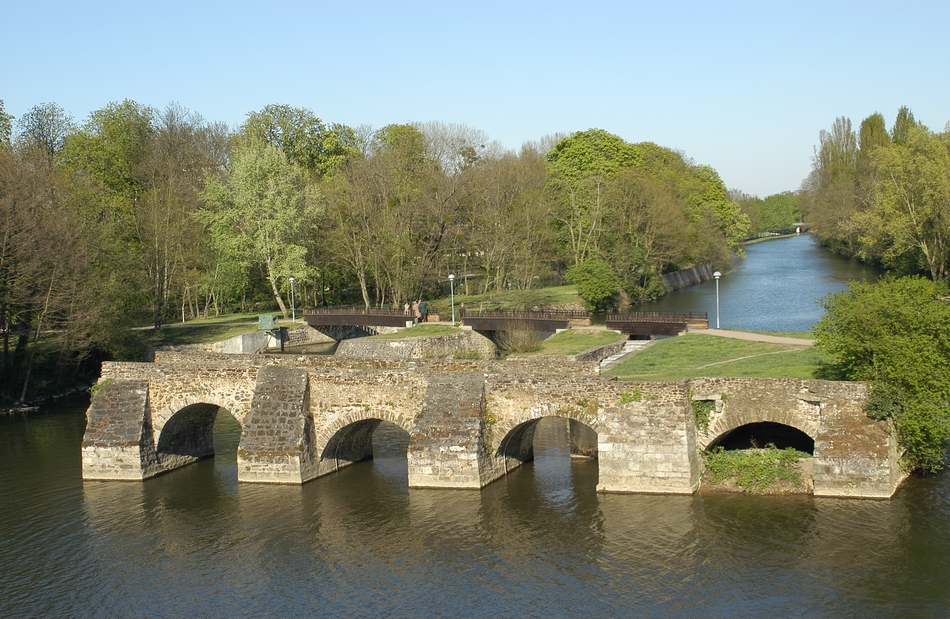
(742, 86)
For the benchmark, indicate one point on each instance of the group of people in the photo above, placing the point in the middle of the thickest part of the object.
(420, 312)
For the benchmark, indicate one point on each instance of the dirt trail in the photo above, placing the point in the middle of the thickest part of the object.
(756, 337)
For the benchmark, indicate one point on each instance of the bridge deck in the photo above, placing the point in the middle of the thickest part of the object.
(356, 316)
(657, 323)
(546, 321)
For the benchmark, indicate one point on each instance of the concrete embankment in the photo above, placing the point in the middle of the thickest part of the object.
(687, 277)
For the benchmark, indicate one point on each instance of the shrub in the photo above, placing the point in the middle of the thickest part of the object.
(895, 334)
(514, 338)
(753, 470)
(596, 283)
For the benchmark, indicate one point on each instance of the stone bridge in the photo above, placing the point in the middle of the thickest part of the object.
(469, 422)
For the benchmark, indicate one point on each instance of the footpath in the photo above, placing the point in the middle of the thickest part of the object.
(756, 337)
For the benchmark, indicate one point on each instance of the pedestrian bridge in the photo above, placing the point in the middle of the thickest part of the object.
(469, 422)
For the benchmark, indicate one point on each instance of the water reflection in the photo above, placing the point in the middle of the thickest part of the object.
(539, 542)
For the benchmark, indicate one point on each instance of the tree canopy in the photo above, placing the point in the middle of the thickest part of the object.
(896, 335)
(169, 216)
(884, 197)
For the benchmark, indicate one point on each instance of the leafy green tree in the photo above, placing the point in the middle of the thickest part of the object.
(181, 149)
(872, 134)
(911, 212)
(896, 335)
(903, 125)
(579, 169)
(597, 284)
(304, 139)
(262, 214)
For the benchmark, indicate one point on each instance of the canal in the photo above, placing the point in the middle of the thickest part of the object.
(775, 288)
(540, 542)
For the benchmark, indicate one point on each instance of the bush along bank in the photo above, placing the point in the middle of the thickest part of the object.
(759, 471)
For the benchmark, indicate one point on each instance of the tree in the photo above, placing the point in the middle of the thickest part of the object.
(303, 138)
(180, 150)
(596, 284)
(896, 335)
(903, 124)
(6, 126)
(45, 128)
(833, 190)
(579, 168)
(506, 235)
(262, 213)
(647, 232)
(911, 212)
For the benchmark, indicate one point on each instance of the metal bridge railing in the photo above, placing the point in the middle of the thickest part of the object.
(657, 316)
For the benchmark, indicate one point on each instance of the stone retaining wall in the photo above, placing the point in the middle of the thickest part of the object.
(687, 277)
(413, 348)
(600, 353)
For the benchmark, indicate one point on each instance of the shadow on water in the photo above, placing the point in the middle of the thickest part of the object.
(539, 542)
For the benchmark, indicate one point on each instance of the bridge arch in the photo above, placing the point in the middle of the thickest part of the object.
(516, 446)
(763, 433)
(165, 413)
(188, 435)
(801, 417)
(350, 438)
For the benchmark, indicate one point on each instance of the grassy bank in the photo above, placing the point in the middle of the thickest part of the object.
(559, 296)
(694, 355)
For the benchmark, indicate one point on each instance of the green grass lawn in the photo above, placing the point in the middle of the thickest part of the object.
(212, 329)
(558, 296)
(694, 355)
(802, 335)
(573, 341)
(199, 334)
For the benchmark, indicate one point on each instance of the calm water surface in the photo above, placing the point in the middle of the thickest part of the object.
(774, 288)
(537, 543)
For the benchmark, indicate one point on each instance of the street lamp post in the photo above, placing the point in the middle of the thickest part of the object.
(717, 275)
(293, 308)
(452, 292)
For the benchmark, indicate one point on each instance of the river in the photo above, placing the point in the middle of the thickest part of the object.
(774, 288)
(539, 542)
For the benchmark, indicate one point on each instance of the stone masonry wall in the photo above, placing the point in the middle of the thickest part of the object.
(854, 455)
(429, 347)
(118, 441)
(687, 277)
(277, 439)
(447, 448)
(471, 421)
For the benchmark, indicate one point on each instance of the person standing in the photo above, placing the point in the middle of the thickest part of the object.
(405, 309)
(415, 312)
(423, 311)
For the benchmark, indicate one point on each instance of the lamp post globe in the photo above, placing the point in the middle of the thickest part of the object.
(452, 292)
(717, 275)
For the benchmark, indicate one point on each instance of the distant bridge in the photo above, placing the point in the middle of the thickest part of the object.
(657, 323)
(547, 321)
(356, 317)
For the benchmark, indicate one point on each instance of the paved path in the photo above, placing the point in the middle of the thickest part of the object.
(755, 337)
